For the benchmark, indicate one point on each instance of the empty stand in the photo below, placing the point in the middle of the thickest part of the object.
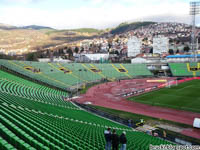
(69, 75)
(185, 69)
(33, 116)
(29, 125)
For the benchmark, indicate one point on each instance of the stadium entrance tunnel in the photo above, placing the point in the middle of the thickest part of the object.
(65, 70)
(194, 69)
(122, 70)
(95, 70)
(34, 70)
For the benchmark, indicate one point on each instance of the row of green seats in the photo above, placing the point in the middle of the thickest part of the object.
(64, 75)
(23, 88)
(69, 112)
(185, 69)
(66, 133)
(33, 116)
(19, 66)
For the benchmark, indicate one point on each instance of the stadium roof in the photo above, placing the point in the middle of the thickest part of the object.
(181, 56)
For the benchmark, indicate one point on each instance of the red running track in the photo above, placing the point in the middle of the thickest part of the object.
(108, 95)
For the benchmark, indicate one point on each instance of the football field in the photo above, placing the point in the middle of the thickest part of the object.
(185, 96)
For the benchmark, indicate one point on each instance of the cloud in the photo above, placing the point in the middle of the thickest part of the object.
(11, 2)
(98, 14)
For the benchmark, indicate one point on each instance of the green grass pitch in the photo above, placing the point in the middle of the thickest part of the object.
(185, 96)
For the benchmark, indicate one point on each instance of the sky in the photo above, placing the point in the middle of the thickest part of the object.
(101, 14)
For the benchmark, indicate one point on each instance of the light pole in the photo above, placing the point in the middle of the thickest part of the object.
(77, 88)
(194, 10)
(176, 79)
(197, 43)
(78, 81)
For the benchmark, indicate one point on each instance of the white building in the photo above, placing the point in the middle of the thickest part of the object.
(2, 51)
(138, 61)
(90, 57)
(59, 60)
(160, 45)
(134, 46)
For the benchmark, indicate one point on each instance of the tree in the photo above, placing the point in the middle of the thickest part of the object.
(69, 51)
(117, 40)
(177, 42)
(117, 53)
(145, 39)
(3, 56)
(82, 49)
(170, 40)
(31, 57)
(151, 50)
(171, 52)
(76, 50)
(40, 55)
(48, 52)
(99, 47)
(109, 45)
(56, 53)
(61, 51)
(186, 49)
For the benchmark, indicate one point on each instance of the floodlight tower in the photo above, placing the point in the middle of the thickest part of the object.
(194, 10)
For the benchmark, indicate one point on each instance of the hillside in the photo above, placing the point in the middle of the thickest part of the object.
(30, 27)
(125, 27)
(36, 27)
(87, 30)
(6, 27)
(35, 37)
(78, 31)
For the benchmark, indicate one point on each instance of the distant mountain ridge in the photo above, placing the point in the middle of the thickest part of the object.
(123, 27)
(6, 27)
(88, 30)
(35, 27)
(31, 27)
